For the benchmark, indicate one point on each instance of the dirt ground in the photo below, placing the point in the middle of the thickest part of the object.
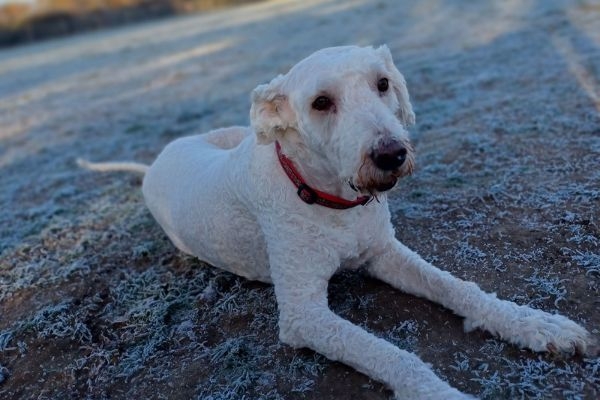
(96, 303)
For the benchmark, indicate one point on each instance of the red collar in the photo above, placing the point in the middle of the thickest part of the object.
(310, 195)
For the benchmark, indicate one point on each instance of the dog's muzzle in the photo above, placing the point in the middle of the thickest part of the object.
(387, 161)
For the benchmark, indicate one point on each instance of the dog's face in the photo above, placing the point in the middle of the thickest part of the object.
(349, 107)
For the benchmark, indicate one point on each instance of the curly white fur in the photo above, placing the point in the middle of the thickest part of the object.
(224, 198)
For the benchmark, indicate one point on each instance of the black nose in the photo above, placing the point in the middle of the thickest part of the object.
(389, 155)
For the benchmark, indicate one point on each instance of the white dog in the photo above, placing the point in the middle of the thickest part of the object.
(302, 193)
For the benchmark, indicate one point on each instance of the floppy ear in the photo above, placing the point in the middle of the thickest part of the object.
(405, 112)
(271, 115)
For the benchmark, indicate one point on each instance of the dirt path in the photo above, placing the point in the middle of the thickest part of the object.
(96, 303)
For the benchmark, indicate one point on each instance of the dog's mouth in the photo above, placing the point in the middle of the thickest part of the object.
(385, 186)
(374, 187)
(372, 179)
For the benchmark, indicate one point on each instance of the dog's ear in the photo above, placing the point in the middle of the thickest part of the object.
(405, 112)
(271, 115)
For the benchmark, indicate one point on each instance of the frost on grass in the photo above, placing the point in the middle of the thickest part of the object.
(405, 335)
(62, 320)
(239, 361)
(5, 338)
(533, 377)
(538, 378)
(58, 321)
(546, 288)
(587, 260)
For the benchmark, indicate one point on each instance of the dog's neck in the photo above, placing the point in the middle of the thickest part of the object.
(316, 171)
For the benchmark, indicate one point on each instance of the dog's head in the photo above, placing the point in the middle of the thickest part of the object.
(347, 106)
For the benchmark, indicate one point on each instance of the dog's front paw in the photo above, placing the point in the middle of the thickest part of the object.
(540, 331)
(557, 334)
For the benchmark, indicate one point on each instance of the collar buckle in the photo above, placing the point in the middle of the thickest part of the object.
(306, 194)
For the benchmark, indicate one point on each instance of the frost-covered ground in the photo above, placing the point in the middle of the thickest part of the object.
(96, 303)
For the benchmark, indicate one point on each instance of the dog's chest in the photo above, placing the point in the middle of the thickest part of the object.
(354, 237)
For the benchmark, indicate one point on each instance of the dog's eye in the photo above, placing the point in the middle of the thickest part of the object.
(383, 85)
(322, 103)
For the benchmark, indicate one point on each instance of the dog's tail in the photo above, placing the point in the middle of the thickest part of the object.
(113, 166)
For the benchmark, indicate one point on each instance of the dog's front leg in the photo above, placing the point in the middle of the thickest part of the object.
(522, 325)
(305, 320)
